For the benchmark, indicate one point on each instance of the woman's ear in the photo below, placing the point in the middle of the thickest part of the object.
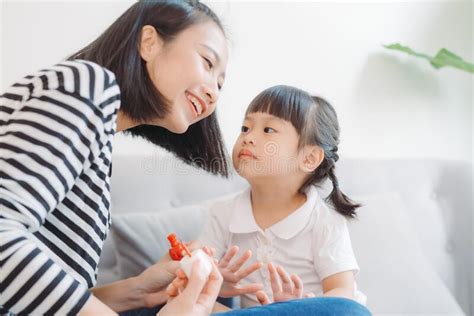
(151, 43)
(312, 157)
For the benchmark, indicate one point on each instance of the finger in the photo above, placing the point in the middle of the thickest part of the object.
(309, 295)
(196, 283)
(239, 262)
(180, 283)
(262, 298)
(224, 262)
(180, 274)
(274, 279)
(287, 285)
(208, 251)
(211, 289)
(193, 245)
(173, 288)
(249, 270)
(298, 291)
(157, 298)
(249, 288)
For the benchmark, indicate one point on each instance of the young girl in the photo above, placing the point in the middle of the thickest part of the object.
(287, 147)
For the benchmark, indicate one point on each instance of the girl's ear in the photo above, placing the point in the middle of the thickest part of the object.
(312, 157)
(151, 43)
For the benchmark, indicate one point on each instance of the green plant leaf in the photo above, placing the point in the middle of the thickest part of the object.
(443, 58)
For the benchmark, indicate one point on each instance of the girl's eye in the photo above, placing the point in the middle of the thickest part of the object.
(269, 130)
(209, 63)
(244, 129)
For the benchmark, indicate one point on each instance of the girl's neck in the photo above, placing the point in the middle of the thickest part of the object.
(272, 203)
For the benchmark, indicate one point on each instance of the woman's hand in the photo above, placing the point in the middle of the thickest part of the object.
(153, 281)
(233, 274)
(284, 287)
(195, 296)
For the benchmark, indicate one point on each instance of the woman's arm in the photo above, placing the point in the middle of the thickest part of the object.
(44, 145)
(339, 285)
(145, 290)
(121, 295)
(94, 307)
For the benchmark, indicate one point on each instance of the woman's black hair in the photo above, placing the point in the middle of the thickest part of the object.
(117, 49)
(316, 122)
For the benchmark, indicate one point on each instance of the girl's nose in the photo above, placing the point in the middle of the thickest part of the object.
(248, 139)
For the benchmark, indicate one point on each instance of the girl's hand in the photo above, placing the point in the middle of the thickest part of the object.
(284, 287)
(195, 296)
(233, 273)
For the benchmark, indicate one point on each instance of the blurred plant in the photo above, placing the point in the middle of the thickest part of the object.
(443, 58)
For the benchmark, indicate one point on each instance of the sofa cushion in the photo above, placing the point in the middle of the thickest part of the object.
(395, 274)
(140, 238)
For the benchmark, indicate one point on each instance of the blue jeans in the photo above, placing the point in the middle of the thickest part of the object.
(321, 306)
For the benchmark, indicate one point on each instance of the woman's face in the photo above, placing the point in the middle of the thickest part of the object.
(189, 71)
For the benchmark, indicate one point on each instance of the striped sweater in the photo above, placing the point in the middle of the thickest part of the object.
(56, 133)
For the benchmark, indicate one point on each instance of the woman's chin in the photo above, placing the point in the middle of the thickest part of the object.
(178, 127)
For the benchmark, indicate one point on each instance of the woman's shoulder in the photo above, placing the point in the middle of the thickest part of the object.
(81, 78)
(77, 89)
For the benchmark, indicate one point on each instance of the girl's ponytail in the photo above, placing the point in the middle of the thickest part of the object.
(339, 200)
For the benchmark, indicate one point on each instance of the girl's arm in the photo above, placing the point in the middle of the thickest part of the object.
(339, 285)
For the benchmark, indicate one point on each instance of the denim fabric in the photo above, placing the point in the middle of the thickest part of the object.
(320, 306)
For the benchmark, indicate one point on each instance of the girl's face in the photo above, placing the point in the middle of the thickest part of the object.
(189, 71)
(266, 147)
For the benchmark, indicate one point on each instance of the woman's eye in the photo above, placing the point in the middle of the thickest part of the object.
(209, 63)
(244, 129)
(269, 130)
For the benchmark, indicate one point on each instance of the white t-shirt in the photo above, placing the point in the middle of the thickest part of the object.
(312, 242)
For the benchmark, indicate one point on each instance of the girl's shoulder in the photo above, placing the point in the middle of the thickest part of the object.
(224, 206)
(326, 215)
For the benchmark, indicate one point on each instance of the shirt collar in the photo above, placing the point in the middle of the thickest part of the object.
(242, 220)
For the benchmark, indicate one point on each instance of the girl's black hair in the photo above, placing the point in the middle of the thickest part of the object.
(117, 49)
(316, 122)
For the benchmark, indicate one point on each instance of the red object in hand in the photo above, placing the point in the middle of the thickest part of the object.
(178, 250)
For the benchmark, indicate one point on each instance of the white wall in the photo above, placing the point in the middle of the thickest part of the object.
(1, 46)
(389, 104)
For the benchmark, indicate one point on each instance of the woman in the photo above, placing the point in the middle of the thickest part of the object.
(155, 73)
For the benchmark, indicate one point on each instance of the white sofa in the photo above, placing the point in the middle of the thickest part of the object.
(413, 239)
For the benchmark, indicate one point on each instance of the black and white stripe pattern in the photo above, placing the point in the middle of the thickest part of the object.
(56, 133)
